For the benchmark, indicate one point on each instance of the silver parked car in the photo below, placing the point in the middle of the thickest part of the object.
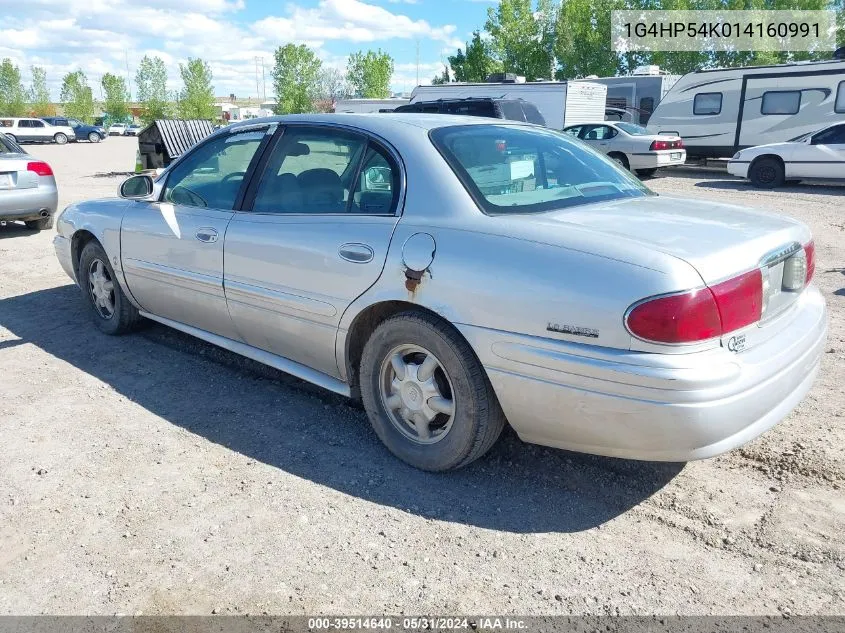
(458, 273)
(27, 187)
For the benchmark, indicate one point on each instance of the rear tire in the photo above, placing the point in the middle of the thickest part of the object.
(60, 138)
(620, 159)
(40, 224)
(766, 173)
(93, 137)
(473, 419)
(646, 173)
(112, 312)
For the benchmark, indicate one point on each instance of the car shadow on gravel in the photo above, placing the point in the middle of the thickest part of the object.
(743, 185)
(274, 418)
(16, 229)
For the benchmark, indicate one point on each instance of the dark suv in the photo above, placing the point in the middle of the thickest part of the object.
(512, 109)
(84, 132)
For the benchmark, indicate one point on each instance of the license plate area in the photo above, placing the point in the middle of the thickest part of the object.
(6, 181)
(784, 274)
(675, 156)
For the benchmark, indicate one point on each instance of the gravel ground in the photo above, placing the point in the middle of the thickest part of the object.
(156, 474)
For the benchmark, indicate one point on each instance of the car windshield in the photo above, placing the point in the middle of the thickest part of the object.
(632, 129)
(513, 169)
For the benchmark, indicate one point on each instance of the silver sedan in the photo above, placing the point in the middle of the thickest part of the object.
(458, 274)
(27, 187)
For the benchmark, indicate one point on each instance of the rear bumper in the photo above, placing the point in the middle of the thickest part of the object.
(27, 204)
(663, 407)
(656, 160)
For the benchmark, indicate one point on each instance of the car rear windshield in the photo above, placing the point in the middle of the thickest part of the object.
(633, 129)
(518, 169)
(8, 147)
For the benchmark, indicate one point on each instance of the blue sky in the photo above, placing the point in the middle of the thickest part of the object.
(102, 36)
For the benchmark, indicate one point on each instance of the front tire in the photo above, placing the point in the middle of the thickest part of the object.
(112, 311)
(40, 224)
(60, 138)
(426, 394)
(767, 173)
(93, 137)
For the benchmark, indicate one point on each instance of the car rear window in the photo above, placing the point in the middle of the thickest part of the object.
(518, 169)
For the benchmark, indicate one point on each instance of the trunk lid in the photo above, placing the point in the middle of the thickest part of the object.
(718, 240)
(13, 172)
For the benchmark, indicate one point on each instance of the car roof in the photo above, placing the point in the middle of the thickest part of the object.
(378, 121)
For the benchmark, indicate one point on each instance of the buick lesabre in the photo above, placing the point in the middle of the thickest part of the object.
(458, 274)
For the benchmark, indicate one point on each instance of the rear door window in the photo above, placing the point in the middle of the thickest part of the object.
(512, 110)
(839, 106)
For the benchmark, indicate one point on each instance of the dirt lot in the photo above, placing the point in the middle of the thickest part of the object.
(156, 474)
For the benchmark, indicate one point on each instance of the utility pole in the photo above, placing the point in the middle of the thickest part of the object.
(128, 80)
(263, 81)
(257, 89)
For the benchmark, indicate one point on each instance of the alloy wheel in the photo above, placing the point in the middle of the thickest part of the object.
(417, 394)
(101, 288)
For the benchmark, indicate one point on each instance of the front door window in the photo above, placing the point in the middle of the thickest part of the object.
(212, 175)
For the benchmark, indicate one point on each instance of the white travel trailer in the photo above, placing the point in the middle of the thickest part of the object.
(634, 97)
(561, 103)
(721, 111)
(362, 106)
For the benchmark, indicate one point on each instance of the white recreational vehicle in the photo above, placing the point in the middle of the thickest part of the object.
(634, 97)
(718, 112)
(561, 103)
(362, 106)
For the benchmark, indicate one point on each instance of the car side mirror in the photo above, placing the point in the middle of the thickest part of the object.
(136, 187)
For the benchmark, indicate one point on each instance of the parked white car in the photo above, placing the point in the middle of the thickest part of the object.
(631, 145)
(31, 130)
(117, 129)
(817, 155)
(133, 130)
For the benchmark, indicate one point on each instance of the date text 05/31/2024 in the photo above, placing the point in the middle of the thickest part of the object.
(421, 623)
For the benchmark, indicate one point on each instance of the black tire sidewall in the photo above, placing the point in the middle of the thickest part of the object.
(113, 325)
(450, 451)
(620, 159)
(754, 175)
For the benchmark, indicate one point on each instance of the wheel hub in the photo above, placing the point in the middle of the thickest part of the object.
(417, 394)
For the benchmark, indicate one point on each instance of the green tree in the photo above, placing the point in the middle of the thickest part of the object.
(196, 101)
(443, 77)
(39, 93)
(477, 63)
(116, 104)
(369, 74)
(583, 39)
(523, 38)
(77, 97)
(295, 78)
(12, 94)
(151, 82)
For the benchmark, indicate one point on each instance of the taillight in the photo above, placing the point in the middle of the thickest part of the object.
(701, 314)
(810, 252)
(740, 300)
(660, 145)
(684, 318)
(41, 168)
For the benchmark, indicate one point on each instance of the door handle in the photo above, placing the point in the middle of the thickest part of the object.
(356, 253)
(207, 234)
